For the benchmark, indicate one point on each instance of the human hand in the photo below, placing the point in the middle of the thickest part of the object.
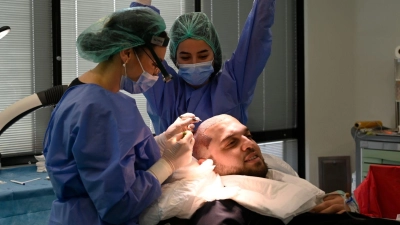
(333, 203)
(179, 148)
(182, 123)
(144, 2)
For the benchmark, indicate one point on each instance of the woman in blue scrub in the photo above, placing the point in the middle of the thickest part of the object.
(201, 87)
(103, 162)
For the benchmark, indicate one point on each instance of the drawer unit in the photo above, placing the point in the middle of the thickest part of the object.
(374, 149)
(377, 156)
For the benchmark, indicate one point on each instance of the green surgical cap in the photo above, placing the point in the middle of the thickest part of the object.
(123, 29)
(195, 25)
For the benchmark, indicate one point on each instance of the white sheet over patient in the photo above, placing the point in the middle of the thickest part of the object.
(183, 193)
(281, 195)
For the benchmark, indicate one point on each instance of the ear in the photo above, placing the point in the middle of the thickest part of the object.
(200, 161)
(126, 55)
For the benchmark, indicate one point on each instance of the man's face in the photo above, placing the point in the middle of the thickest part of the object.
(234, 151)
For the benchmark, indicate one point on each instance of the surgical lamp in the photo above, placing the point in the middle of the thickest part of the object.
(4, 31)
(19, 109)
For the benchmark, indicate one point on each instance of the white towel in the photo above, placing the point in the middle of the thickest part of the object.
(40, 164)
(281, 195)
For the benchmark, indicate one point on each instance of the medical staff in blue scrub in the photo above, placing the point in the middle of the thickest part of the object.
(103, 162)
(199, 86)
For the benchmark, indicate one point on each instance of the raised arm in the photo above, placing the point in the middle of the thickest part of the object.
(253, 50)
(144, 3)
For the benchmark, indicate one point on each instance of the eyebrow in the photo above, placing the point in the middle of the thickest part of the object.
(226, 138)
(231, 135)
(203, 51)
(187, 53)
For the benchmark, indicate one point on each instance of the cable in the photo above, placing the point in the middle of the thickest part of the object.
(349, 199)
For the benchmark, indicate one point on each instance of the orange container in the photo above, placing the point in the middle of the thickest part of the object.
(368, 124)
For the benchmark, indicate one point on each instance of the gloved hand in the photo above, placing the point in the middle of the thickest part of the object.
(179, 149)
(177, 154)
(182, 123)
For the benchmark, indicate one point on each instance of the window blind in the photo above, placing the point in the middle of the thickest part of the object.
(25, 68)
(273, 106)
(286, 150)
(79, 14)
(274, 102)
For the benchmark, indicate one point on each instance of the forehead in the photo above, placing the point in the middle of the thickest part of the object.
(160, 51)
(193, 45)
(224, 128)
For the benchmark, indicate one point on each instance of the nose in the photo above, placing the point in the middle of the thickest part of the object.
(246, 143)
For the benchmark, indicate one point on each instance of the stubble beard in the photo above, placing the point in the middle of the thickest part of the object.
(258, 170)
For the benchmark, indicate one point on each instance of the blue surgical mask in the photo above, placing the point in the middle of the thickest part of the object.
(196, 74)
(144, 83)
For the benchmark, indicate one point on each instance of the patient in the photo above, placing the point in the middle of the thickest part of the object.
(229, 144)
(229, 186)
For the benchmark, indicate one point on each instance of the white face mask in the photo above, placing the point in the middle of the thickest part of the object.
(144, 83)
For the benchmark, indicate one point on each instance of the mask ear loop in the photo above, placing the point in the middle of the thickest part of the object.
(140, 63)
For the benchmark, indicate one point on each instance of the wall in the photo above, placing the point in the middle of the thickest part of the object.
(349, 67)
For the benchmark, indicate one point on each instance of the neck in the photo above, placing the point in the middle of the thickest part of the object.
(105, 74)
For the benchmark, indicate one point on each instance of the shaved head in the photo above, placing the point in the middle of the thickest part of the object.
(200, 148)
(230, 145)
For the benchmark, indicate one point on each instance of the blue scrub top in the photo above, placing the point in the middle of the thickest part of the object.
(230, 91)
(97, 150)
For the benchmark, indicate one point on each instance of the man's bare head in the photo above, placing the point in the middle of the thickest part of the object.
(229, 143)
(200, 148)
